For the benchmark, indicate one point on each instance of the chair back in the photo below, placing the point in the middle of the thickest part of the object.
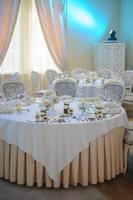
(35, 77)
(78, 71)
(114, 91)
(131, 88)
(13, 90)
(15, 77)
(128, 78)
(65, 87)
(51, 75)
(105, 73)
(48, 93)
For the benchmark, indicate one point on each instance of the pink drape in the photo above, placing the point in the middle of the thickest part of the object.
(8, 16)
(52, 15)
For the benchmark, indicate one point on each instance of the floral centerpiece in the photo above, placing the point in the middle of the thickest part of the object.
(83, 104)
(49, 99)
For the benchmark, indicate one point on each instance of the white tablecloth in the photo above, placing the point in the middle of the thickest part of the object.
(53, 145)
(92, 89)
(88, 90)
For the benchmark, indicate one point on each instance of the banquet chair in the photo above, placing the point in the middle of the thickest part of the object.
(131, 88)
(13, 90)
(15, 76)
(78, 71)
(51, 76)
(65, 87)
(128, 105)
(128, 102)
(128, 79)
(105, 73)
(0, 80)
(128, 144)
(113, 91)
(129, 95)
(35, 77)
(49, 98)
(48, 93)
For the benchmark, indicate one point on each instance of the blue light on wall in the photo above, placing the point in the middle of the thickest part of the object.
(86, 19)
(83, 17)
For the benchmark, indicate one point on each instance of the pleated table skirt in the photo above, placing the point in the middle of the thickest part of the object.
(102, 160)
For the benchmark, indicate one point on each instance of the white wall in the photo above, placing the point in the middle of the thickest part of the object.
(81, 39)
(126, 30)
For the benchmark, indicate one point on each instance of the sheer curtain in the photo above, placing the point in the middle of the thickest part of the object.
(53, 19)
(41, 59)
(12, 60)
(28, 50)
(8, 15)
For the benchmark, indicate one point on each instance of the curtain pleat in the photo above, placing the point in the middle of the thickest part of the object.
(53, 20)
(8, 16)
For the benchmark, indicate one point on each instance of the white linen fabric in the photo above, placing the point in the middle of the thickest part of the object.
(94, 88)
(51, 76)
(131, 89)
(54, 145)
(12, 90)
(65, 87)
(15, 76)
(89, 89)
(128, 98)
(79, 73)
(36, 80)
(105, 73)
(128, 78)
(114, 91)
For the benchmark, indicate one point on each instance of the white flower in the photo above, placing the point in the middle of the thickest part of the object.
(50, 98)
(46, 103)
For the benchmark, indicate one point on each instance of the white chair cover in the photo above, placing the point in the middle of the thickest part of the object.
(51, 76)
(78, 71)
(15, 77)
(35, 80)
(65, 87)
(128, 102)
(105, 73)
(114, 91)
(128, 78)
(128, 98)
(37, 84)
(48, 93)
(0, 85)
(131, 89)
(65, 97)
(13, 90)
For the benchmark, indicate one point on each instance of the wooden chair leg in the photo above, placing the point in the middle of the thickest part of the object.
(126, 149)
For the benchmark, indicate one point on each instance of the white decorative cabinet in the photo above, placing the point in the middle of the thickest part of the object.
(109, 55)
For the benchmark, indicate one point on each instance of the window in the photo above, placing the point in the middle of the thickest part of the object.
(12, 60)
(28, 50)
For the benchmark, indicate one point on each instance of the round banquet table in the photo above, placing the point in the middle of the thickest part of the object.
(88, 90)
(55, 153)
(91, 89)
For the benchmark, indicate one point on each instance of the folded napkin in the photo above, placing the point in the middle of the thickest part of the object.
(111, 105)
(129, 97)
(6, 109)
(112, 110)
(65, 97)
